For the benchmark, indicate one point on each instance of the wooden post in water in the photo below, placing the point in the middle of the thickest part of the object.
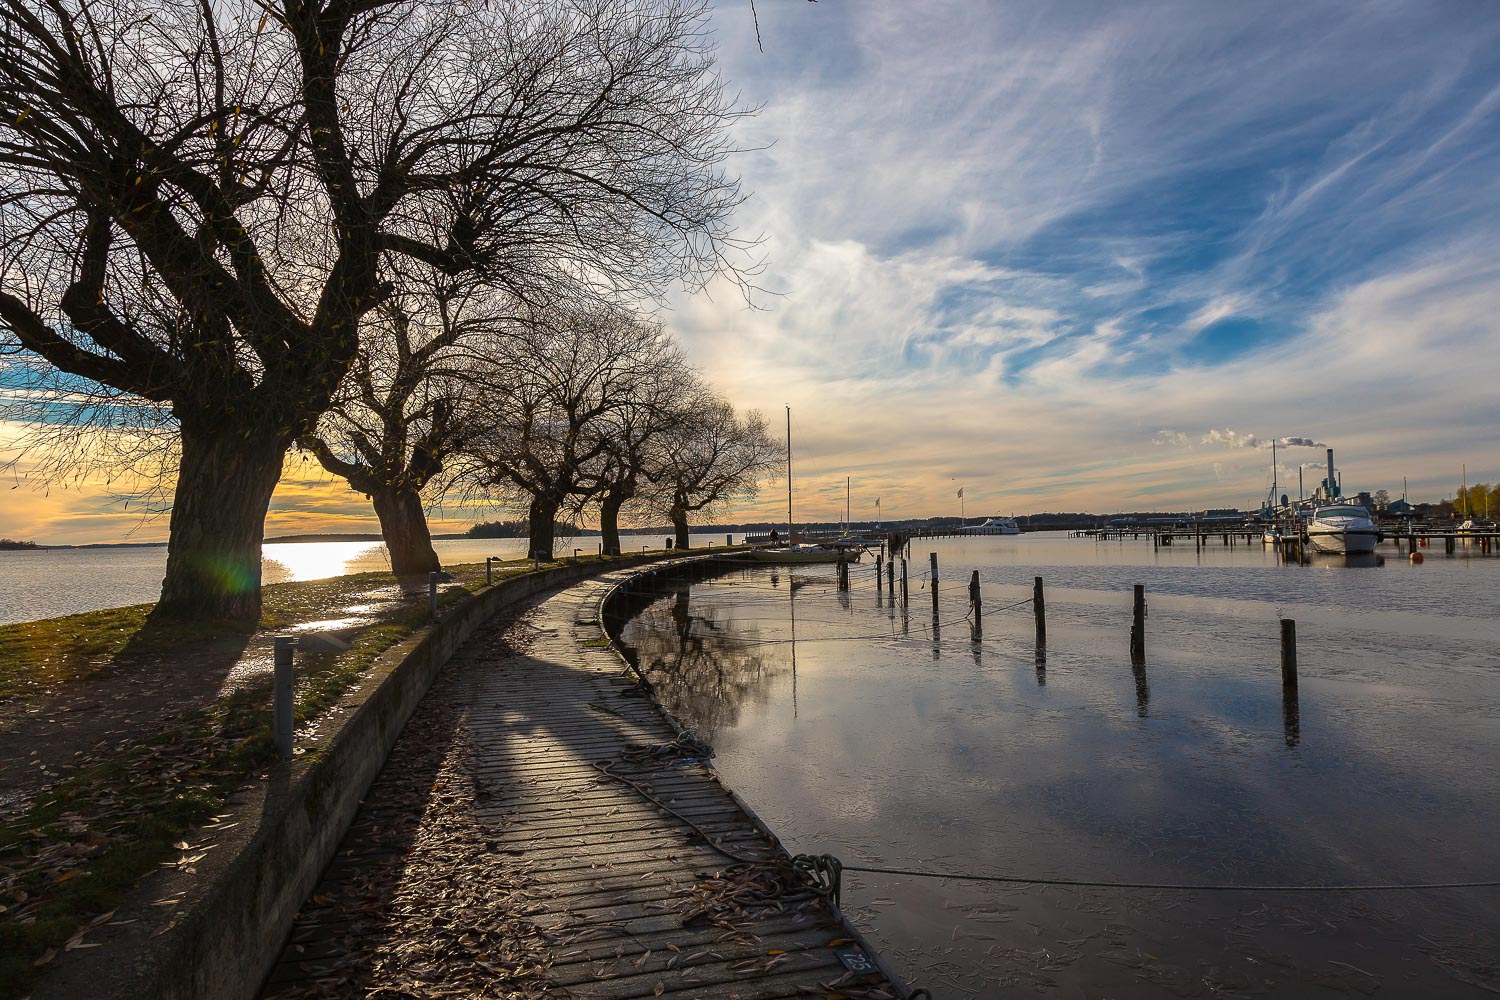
(975, 605)
(933, 558)
(1289, 654)
(904, 593)
(1039, 611)
(879, 560)
(1138, 629)
(1291, 710)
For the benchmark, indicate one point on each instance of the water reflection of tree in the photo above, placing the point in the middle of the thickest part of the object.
(704, 667)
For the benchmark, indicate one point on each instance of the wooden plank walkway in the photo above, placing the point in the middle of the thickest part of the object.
(493, 858)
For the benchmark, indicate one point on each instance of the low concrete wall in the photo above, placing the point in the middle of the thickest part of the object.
(233, 911)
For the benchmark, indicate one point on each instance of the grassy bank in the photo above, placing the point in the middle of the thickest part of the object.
(72, 856)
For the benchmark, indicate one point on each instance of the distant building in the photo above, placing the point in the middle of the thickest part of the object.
(1399, 508)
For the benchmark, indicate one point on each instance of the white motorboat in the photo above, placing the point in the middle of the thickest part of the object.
(992, 526)
(1342, 528)
(805, 553)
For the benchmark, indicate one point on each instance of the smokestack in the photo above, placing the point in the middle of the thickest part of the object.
(1330, 474)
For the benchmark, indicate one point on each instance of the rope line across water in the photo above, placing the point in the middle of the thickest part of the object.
(1172, 886)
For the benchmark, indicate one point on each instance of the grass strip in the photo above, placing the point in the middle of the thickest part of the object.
(71, 858)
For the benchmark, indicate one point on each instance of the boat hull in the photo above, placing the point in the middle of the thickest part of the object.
(1352, 542)
(802, 556)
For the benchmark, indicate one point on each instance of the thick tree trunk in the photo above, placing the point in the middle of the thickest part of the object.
(224, 486)
(403, 523)
(680, 527)
(609, 520)
(543, 526)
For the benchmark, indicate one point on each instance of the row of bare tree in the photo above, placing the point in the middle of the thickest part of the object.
(276, 221)
(584, 406)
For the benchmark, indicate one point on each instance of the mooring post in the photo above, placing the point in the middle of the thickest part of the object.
(729, 540)
(879, 560)
(932, 558)
(1138, 629)
(1288, 654)
(432, 594)
(489, 575)
(1449, 545)
(975, 604)
(281, 694)
(1039, 610)
(904, 592)
(890, 574)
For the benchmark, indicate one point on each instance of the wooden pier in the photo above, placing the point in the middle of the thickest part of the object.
(635, 872)
(1485, 542)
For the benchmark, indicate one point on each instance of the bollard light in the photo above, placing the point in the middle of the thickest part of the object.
(282, 681)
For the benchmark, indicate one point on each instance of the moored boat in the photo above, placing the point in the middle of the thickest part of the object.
(1342, 528)
(992, 526)
(804, 553)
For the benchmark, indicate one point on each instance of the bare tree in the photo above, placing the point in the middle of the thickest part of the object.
(636, 438)
(718, 457)
(410, 401)
(558, 397)
(195, 199)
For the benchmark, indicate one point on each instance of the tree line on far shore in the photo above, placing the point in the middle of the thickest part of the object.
(421, 243)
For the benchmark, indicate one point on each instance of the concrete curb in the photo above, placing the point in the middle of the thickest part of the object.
(233, 908)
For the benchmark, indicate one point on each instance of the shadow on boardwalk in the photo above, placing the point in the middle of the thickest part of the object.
(492, 857)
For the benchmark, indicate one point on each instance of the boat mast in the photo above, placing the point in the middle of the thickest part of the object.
(848, 507)
(789, 475)
(1273, 475)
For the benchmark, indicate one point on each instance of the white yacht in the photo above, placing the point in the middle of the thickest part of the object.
(992, 526)
(1342, 528)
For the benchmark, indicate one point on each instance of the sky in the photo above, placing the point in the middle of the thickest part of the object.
(1084, 256)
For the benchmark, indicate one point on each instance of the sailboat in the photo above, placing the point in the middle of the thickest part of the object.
(797, 552)
(1273, 531)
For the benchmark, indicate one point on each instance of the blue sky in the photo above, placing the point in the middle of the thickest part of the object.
(1095, 256)
(1047, 249)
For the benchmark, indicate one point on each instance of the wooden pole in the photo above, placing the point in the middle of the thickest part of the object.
(489, 576)
(890, 574)
(933, 558)
(904, 592)
(878, 581)
(975, 604)
(1138, 629)
(1039, 611)
(1288, 654)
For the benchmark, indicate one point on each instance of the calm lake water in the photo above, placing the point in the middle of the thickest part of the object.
(936, 752)
(45, 583)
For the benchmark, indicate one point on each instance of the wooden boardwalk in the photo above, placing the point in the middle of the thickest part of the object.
(494, 858)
